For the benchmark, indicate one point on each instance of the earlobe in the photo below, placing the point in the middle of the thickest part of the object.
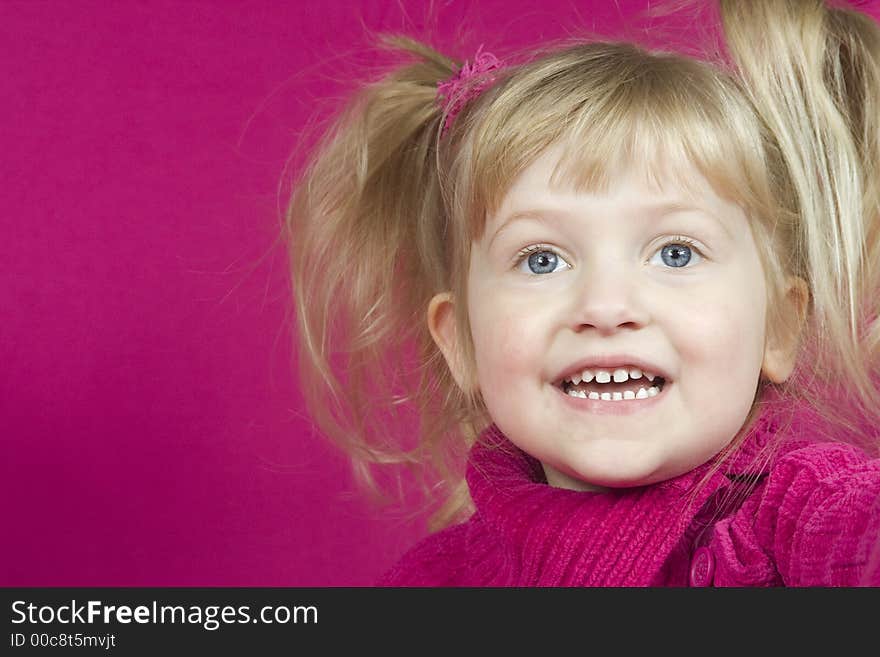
(441, 324)
(780, 353)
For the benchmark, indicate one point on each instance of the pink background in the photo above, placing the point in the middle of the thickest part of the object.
(152, 432)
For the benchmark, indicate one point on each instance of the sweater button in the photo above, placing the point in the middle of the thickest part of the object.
(702, 567)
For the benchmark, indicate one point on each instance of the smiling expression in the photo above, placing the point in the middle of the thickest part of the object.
(562, 282)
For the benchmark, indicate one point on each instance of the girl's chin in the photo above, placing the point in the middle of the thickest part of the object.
(603, 479)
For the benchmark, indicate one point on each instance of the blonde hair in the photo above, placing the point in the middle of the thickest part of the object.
(383, 216)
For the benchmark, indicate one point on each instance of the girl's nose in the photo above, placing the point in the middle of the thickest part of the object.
(608, 299)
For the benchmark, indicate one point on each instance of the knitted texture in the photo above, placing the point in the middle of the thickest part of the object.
(812, 519)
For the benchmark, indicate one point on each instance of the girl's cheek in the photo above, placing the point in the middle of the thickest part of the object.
(726, 338)
(506, 341)
(515, 343)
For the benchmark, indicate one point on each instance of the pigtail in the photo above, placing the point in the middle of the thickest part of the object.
(813, 74)
(365, 225)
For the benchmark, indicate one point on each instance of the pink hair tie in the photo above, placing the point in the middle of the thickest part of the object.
(470, 81)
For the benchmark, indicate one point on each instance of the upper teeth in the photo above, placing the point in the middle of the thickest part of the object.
(619, 375)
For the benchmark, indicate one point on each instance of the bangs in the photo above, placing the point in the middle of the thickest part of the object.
(662, 150)
(614, 108)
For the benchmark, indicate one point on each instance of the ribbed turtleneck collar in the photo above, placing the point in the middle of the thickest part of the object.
(559, 537)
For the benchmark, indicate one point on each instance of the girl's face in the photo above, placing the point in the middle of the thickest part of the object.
(628, 286)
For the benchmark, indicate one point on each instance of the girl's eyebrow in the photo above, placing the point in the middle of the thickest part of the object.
(542, 215)
(655, 210)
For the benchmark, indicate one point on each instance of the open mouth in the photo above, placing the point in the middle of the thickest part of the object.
(618, 384)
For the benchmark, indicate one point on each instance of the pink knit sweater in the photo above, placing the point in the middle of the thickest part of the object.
(812, 519)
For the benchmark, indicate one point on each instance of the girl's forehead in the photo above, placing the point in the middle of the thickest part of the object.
(660, 169)
(553, 176)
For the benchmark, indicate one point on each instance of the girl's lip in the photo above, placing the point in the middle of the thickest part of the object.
(611, 362)
(608, 407)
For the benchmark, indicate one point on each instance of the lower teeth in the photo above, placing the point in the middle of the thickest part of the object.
(653, 391)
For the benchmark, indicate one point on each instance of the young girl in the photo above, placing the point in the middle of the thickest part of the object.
(634, 292)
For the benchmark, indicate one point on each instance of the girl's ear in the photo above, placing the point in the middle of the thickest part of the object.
(441, 323)
(780, 352)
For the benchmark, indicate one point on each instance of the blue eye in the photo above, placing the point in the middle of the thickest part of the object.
(541, 261)
(677, 254)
